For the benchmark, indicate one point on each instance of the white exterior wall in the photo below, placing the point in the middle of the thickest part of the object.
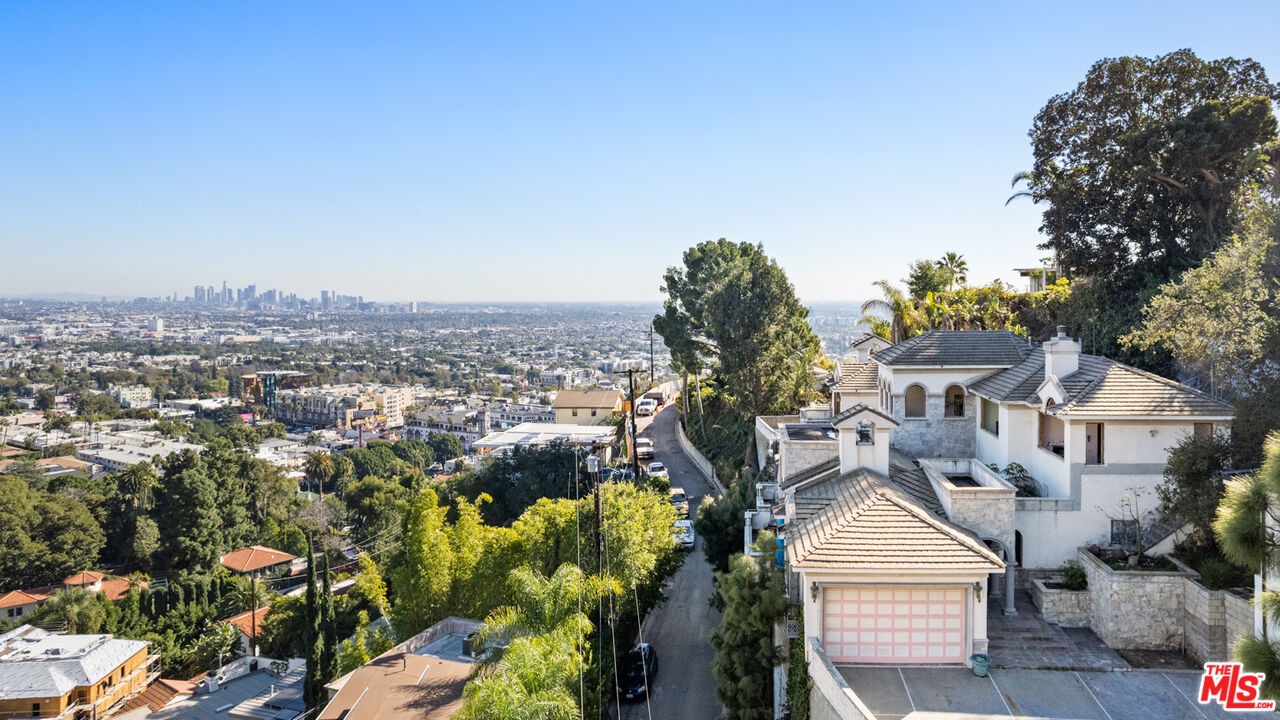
(1135, 454)
(797, 455)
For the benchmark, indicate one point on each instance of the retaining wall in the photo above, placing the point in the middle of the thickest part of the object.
(701, 463)
(1068, 608)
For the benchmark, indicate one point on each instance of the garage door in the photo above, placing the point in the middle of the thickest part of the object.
(894, 625)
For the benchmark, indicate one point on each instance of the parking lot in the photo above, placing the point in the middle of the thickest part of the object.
(894, 693)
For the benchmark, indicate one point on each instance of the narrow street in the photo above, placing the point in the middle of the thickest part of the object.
(680, 629)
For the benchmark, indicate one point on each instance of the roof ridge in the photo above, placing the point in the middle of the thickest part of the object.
(849, 517)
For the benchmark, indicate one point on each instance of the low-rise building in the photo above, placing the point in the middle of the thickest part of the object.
(132, 396)
(530, 435)
(43, 675)
(256, 560)
(586, 407)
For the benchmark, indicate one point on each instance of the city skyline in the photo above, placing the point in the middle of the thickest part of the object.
(486, 153)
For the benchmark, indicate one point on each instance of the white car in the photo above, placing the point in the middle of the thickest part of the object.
(646, 406)
(684, 533)
(644, 448)
(657, 469)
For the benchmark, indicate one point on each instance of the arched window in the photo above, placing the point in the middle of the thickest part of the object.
(914, 402)
(954, 403)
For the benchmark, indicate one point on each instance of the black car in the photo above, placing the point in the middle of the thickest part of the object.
(637, 671)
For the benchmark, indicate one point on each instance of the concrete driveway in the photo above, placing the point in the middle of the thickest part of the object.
(895, 693)
(680, 629)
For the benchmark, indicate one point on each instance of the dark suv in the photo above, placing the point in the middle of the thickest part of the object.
(635, 675)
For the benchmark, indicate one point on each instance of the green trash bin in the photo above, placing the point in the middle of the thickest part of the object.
(980, 664)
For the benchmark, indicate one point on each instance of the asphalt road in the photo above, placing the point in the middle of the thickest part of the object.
(680, 629)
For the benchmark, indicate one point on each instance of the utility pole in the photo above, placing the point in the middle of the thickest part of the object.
(593, 468)
(253, 616)
(651, 352)
(631, 384)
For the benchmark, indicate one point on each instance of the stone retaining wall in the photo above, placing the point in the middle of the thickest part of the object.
(1068, 608)
(1138, 609)
(1213, 619)
(1144, 610)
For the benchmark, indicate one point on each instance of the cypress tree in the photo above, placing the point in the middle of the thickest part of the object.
(328, 630)
(313, 687)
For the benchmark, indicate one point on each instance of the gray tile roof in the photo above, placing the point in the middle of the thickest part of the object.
(1101, 387)
(864, 521)
(957, 348)
(857, 377)
(857, 408)
(37, 664)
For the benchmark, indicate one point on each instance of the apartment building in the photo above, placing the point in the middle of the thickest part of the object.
(43, 675)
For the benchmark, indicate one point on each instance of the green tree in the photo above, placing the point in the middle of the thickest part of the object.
(369, 587)
(80, 609)
(446, 446)
(1246, 515)
(45, 537)
(422, 579)
(328, 630)
(532, 682)
(957, 269)
(355, 650)
(741, 312)
(1194, 482)
(1140, 168)
(319, 468)
(545, 606)
(925, 277)
(743, 643)
(45, 400)
(313, 691)
(187, 513)
(893, 317)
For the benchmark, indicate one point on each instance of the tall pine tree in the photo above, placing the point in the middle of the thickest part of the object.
(328, 631)
(744, 652)
(313, 691)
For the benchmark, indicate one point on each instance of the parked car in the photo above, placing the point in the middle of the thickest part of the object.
(616, 474)
(646, 406)
(644, 448)
(657, 469)
(638, 669)
(684, 533)
(680, 501)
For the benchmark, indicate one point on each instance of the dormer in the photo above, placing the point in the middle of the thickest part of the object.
(1061, 356)
(1051, 393)
(864, 439)
(865, 346)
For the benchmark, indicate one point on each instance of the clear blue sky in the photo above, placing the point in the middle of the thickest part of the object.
(538, 151)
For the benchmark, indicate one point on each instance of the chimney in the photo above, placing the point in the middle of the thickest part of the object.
(1061, 355)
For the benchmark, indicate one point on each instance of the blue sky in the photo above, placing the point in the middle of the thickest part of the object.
(538, 151)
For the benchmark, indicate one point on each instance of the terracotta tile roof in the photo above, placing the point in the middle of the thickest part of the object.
(115, 588)
(1101, 387)
(15, 598)
(255, 557)
(870, 523)
(598, 399)
(86, 577)
(857, 377)
(245, 620)
(158, 694)
(957, 348)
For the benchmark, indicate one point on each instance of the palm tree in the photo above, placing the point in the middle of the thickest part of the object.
(956, 267)
(1249, 508)
(135, 483)
(531, 682)
(904, 319)
(4, 430)
(545, 605)
(78, 608)
(319, 468)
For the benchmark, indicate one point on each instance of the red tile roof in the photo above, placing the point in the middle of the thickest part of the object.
(15, 598)
(115, 588)
(254, 558)
(245, 622)
(86, 577)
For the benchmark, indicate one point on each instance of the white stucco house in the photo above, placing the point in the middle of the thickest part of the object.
(894, 529)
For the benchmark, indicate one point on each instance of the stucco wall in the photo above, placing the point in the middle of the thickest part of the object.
(831, 698)
(799, 455)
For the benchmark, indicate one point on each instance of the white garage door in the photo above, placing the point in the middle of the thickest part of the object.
(893, 625)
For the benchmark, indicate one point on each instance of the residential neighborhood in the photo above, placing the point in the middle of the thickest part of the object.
(563, 361)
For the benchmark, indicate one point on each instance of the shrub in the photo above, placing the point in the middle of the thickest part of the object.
(1073, 577)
